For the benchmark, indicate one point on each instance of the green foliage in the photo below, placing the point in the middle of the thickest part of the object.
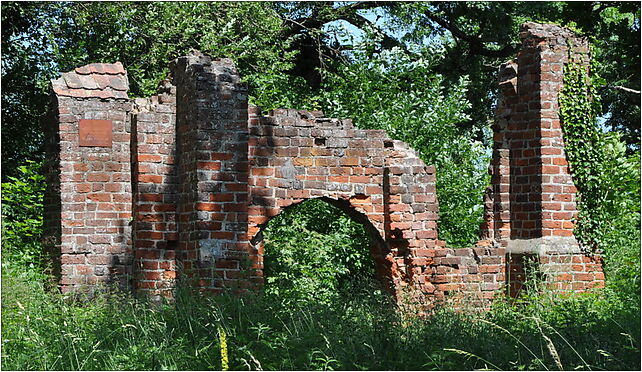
(146, 36)
(25, 70)
(315, 252)
(608, 182)
(22, 217)
(41, 331)
(405, 97)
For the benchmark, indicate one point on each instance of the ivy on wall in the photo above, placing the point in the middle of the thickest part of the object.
(607, 179)
(578, 111)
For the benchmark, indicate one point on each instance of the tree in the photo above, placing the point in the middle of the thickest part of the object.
(478, 36)
(26, 68)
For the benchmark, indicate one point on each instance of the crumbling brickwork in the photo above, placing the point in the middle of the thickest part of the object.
(212, 161)
(532, 204)
(181, 184)
(297, 155)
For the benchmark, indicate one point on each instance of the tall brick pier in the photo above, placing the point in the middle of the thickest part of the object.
(142, 192)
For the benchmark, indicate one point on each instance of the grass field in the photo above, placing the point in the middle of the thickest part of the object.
(42, 331)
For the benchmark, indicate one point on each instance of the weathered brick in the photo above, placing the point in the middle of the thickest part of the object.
(287, 157)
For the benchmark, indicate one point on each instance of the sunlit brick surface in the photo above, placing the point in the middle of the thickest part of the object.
(194, 174)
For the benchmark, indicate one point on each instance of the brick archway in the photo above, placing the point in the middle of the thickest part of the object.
(297, 155)
(354, 208)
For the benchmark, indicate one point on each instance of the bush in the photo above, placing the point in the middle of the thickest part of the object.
(22, 212)
(315, 252)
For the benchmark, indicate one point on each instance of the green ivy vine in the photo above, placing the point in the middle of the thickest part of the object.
(607, 178)
(579, 107)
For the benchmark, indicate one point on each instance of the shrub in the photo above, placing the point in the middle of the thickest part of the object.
(22, 212)
(314, 251)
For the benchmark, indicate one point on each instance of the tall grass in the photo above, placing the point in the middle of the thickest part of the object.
(43, 331)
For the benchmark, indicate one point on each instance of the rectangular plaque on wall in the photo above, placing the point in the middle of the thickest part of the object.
(95, 133)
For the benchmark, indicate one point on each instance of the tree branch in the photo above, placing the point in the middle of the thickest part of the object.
(323, 13)
(475, 43)
(362, 22)
(624, 89)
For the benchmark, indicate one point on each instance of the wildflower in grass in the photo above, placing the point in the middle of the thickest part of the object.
(223, 341)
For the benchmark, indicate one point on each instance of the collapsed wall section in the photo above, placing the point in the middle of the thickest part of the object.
(380, 183)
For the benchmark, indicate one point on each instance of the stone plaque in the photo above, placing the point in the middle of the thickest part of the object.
(95, 133)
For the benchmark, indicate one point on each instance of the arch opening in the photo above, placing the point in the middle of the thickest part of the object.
(323, 249)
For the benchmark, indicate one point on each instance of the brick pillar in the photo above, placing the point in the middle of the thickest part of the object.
(537, 187)
(154, 186)
(88, 208)
(212, 148)
(497, 219)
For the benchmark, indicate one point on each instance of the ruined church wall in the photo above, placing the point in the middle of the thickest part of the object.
(180, 184)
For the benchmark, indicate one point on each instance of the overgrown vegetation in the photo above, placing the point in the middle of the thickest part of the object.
(300, 325)
(41, 331)
(22, 213)
(333, 260)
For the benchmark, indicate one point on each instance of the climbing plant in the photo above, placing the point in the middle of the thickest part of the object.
(578, 110)
(608, 180)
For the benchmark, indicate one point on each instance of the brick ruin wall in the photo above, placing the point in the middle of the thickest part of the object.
(531, 204)
(180, 185)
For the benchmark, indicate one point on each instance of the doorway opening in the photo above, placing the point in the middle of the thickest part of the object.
(315, 251)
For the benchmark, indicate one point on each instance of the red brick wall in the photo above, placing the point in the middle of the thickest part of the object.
(92, 184)
(202, 173)
(298, 155)
(154, 185)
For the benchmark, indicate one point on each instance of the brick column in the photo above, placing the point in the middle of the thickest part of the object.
(212, 151)
(497, 219)
(537, 187)
(89, 195)
(154, 186)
